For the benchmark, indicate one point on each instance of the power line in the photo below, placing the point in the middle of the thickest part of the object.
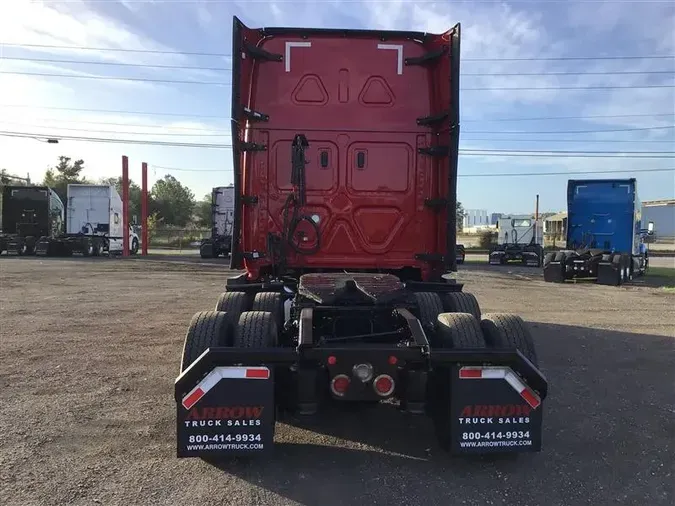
(565, 173)
(227, 133)
(217, 83)
(221, 69)
(604, 73)
(469, 152)
(115, 49)
(117, 64)
(548, 118)
(495, 132)
(505, 174)
(591, 141)
(225, 116)
(534, 88)
(114, 78)
(226, 55)
(524, 132)
(117, 111)
(118, 132)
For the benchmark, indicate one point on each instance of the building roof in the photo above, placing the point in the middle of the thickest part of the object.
(557, 217)
(662, 202)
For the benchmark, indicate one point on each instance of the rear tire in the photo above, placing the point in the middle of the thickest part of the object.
(502, 330)
(461, 302)
(429, 306)
(234, 304)
(208, 329)
(454, 330)
(459, 330)
(256, 329)
(270, 302)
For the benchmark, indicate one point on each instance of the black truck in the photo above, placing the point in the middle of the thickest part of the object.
(29, 213)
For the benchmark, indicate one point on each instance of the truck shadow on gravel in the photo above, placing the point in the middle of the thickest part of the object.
(610, 396)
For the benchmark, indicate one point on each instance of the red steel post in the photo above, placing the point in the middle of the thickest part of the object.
(144, 208)
(125, 206)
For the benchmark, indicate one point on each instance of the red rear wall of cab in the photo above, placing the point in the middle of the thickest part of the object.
(357, 97)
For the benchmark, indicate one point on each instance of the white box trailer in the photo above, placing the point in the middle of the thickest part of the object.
(95, 222)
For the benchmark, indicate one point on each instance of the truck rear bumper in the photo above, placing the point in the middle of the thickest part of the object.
(490, 399)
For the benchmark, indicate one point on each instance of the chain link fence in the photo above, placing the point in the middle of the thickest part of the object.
(177, 238)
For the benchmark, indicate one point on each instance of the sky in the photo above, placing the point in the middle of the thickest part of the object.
(527, 39)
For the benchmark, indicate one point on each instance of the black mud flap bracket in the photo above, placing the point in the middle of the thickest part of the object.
(485, 401)
(228, 412)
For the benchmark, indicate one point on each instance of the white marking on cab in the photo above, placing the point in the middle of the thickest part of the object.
(398, 48)
(289, 45)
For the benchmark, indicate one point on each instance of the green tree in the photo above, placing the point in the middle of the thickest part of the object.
(460, 217)
(203, 212)
(173, 202)
(63, 174)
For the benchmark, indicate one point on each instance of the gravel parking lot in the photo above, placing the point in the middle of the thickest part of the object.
(90, 349)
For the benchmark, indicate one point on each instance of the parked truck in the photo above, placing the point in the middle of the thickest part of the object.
(222, 214)
(605, 234)
(345, 147)
(519, 239)
(29, 213)
(94, 222)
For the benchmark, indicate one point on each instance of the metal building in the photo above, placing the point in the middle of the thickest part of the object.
(662, 213)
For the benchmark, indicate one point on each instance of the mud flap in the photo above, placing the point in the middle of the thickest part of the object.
(493, 411)
(229, 412)
(608, 274)
(496, 258)
(553, 272)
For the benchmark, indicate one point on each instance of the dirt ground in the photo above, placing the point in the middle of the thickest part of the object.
(90, 349)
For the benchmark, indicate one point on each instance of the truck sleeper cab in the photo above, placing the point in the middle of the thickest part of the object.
(345, 165)
(605, 236)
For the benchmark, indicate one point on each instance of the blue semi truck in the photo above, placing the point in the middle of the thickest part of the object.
(605, 237)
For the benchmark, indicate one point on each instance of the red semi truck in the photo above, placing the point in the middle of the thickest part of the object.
(345, 167)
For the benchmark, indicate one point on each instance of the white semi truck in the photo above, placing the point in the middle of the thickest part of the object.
(94, 223)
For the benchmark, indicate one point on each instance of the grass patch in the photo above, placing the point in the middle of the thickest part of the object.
(662, 277)
(662, 272)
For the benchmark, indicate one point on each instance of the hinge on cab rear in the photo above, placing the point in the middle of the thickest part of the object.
(432, 119)
(252, 146)
(435, 150)
(426, 58)
(436, 204)
(254, 115)
(249, 199)
(431, 258)
(259, 53)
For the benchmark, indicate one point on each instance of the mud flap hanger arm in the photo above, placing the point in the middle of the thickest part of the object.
(214, 357)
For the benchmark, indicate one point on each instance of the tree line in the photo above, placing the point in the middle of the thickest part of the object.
(170, 203)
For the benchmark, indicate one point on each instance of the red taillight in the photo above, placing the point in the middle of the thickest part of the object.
(332, 360)
(383, 385)
(339, 385)
(392, 360)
